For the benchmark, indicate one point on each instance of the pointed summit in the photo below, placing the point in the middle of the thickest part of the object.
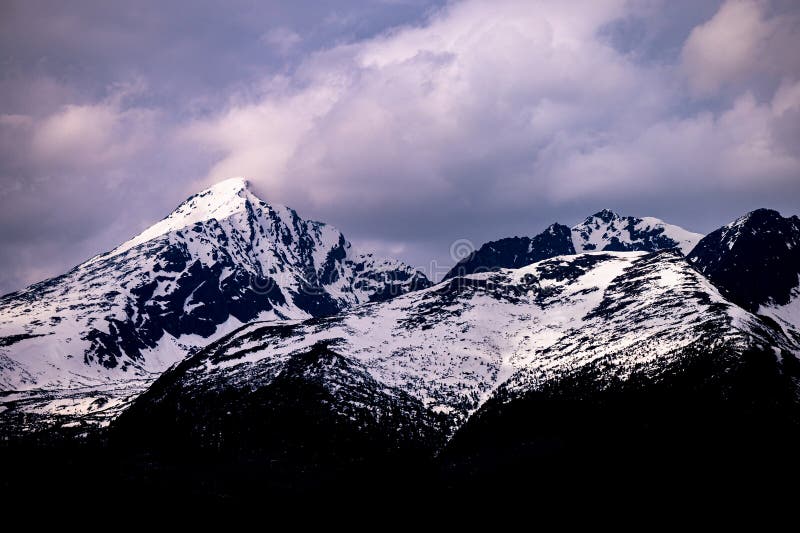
(609, 231)
(217, 202)
(235, 184)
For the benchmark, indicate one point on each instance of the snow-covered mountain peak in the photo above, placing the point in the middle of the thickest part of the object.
(217, 200)
(609, 231)
(223, 257)
(605, 231)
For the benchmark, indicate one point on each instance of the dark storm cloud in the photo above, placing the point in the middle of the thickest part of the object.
(406, 124)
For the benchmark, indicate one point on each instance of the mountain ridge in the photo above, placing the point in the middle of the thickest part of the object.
(603, 231)
(609, 231)
(452, 345)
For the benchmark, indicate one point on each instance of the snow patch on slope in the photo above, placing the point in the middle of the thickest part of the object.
(452, 345)
(217, 202)
(788, 315)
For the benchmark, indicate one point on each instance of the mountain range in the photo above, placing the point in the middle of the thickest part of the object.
(603, 231)
(236, 327)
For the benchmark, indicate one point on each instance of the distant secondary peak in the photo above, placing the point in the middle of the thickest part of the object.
(754, 260)
(609, 231)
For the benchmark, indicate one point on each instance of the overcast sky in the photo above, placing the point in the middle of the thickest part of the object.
(407, 124)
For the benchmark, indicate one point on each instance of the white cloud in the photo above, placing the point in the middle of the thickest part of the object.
(787, 98)
(91, 134)
(747, 43)
(728, 47)
(96, 135)
(686, 157)
(498, 105)
(482, 80)
(259, 138)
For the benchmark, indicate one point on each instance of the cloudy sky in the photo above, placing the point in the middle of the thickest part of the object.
(408, 124)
